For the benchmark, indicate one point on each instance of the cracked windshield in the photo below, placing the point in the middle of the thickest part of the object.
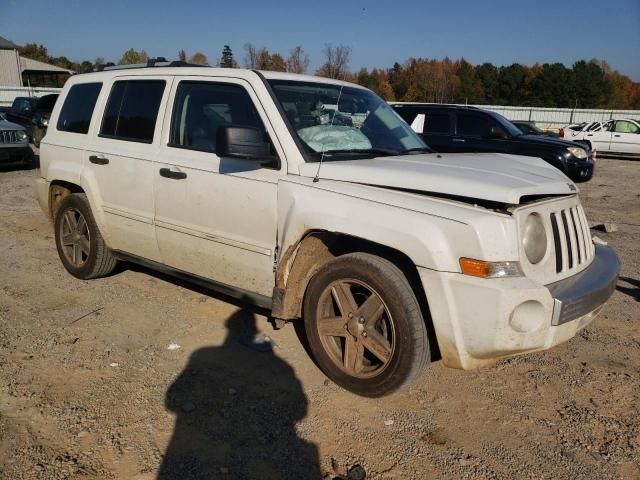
(344, 123)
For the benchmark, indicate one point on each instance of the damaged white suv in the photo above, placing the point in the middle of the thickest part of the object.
(312, 198)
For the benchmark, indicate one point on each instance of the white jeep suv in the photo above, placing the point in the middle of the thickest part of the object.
(312, 198)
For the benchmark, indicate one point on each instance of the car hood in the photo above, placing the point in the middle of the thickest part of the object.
(488, 176)
(544, 140)
(7, 125)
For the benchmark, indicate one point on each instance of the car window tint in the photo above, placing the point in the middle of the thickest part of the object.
(473, 125)
(436, 123)
(77, 109)
(623, 126)
(201, 108)
(132, 110)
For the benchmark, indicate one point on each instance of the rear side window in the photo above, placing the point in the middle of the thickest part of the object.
(473, 125)
(132, 110)
(437, 123)
(77, 110)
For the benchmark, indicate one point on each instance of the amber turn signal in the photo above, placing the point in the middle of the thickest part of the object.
(484, 269)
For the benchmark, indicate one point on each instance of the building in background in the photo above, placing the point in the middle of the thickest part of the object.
(17, 71)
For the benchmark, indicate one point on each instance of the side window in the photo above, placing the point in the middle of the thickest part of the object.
(200, 108)
(470, 125)
(77, 110)
(132, 110)
(622, 126)
(436, 123)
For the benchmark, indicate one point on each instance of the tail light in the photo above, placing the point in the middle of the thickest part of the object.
(561, 133)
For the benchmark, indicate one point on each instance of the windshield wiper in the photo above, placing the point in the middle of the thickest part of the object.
(417, 150)
(364, 151)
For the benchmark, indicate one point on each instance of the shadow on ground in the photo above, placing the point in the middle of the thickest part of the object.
(236, 409)
(633, 291)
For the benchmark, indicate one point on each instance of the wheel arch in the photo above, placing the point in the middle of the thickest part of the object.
(302, 260)
(58, 190)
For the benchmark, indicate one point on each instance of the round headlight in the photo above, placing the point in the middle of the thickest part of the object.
(534, 238)
(22, 135)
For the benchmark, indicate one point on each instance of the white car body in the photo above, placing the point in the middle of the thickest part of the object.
(246, 229)
(613, 137)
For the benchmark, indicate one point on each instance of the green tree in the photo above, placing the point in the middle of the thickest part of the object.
(131, 57)
(34, 52)
(487, 73)
(592, 88)
(227, 60)
(469, 87)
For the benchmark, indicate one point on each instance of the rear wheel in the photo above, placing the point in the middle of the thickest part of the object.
(364, 325)
(80, 245)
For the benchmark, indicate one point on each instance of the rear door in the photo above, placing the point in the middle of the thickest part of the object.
(120, 161)
(625, 138)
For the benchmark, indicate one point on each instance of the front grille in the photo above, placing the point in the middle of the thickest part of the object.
(9, 136)
(571, 237)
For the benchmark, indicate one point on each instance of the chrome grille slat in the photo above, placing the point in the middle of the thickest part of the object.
(9, 136)
(577, 228)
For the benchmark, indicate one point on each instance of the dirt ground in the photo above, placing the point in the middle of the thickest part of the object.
(90, 388)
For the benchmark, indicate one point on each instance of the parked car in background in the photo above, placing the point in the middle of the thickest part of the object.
(33, 113)
(458, 128)
(530, 128)
(612, 137)
(311, 197)
(14, 145)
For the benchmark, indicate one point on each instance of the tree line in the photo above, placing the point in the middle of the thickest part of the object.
(586, 84)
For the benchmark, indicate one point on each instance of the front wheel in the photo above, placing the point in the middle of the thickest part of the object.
(364, 325)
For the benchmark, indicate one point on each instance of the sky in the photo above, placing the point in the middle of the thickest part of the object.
(379, 33)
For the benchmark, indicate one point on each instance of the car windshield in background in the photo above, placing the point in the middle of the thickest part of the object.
(344, 123)
(507, 125)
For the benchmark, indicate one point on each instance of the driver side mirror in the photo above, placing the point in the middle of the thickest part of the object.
(241, 142)
(498, 133)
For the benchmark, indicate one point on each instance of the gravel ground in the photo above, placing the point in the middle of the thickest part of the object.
(140, 376)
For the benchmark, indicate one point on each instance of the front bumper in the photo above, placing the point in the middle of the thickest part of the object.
(580, 170)
(15, 155)
(478, 321)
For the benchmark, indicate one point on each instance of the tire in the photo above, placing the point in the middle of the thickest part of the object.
(81, 248)
(383, 345)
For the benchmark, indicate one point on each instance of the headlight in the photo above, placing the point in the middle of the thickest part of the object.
(534, 238)
(22, 135)
(484, 269)
(578, 152)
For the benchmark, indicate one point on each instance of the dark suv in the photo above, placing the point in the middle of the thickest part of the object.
(33, 114)
(453, 128)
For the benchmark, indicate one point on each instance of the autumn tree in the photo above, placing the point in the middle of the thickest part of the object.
(297, 61)
(336, 62)
(132, 56)
(199, 58)
(182, 55)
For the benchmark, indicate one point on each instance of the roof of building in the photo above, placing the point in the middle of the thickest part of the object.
(29, 64)
(7, 44)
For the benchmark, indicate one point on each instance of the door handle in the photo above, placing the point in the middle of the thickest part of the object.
(98, 160)
(176, 175)
(616, 135)
(589, 134)
(458, 139)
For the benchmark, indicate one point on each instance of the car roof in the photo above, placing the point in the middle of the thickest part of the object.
(435, 105)
(202, 71)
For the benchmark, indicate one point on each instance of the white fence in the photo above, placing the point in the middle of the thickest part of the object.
(554, 118)
(7, 94)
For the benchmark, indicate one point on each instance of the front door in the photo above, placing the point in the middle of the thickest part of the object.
(599, 135)
(216, 216)
(625, 138)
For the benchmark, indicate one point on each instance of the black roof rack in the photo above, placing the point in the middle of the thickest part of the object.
(433, 105)
(151, 63)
